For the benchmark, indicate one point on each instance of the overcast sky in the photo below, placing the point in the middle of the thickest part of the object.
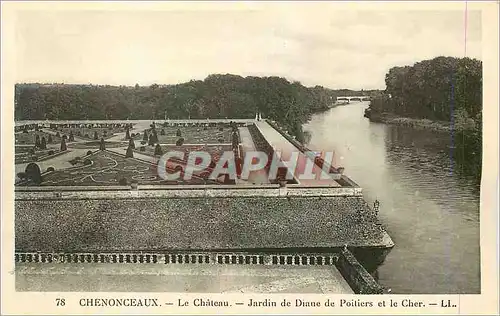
(333, 48)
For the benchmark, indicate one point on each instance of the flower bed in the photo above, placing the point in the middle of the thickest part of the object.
(193, 134)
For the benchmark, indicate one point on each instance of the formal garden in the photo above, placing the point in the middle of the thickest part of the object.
(94, 133)
(215, 151)
(190, 134)
(36, 137)
(100, 168)
(26, 154)
(104, 163)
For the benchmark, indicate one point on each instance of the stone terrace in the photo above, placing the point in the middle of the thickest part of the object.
(95, 225)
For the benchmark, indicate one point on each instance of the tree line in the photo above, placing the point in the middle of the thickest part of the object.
(218, 96)
(446, 89)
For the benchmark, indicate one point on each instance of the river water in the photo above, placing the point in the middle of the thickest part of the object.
(429, 209)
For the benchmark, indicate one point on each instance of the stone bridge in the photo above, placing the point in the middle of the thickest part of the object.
(353, 98)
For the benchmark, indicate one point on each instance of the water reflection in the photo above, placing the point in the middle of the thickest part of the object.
(429, 209)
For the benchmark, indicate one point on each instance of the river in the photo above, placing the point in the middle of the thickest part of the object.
(429, 209)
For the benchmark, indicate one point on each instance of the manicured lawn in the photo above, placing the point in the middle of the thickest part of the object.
(29, 138)
(23, 154)
(193, 135)
(108, 168)
(215, 151)
(88, 133)
(96, 144)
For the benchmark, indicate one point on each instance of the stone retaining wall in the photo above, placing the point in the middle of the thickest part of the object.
(356, 275)
(43, 193)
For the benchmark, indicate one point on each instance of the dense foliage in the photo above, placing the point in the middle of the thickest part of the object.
(218, 96)
(442, 89)
(434, 89)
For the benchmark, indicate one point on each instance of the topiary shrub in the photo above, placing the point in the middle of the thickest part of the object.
(51, 152)
(102, 145)
(37, 141)
(50, 169)
(87, 162)
(63, 145)
(178, 133)
(151, 141)
(129, 153)
(158, 150)
(43, 143)
(131, 143)
(162, 132)
(179, 142)
(89, 152)
(142, 148)
(123, 181)
(33, 173)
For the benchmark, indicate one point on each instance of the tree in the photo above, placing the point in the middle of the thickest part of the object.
(178, 133)
(33, 173)
(158, 150)
(151, 140)
(234, 139)
(43, 144)
(63, 145)
(102, 145)
(71, 136)
(129, 153)
(37, 141)
(131, 143)
(49, 139)
(127, 134)
(443, 89)
(217, 96)
(96, 136)
(155, 136)
(145, 137)
(179, 142)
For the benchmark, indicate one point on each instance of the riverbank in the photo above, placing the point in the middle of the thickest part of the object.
(389, 118)
(467, 138)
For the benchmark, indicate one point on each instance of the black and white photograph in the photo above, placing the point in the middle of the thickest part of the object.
(247, 148)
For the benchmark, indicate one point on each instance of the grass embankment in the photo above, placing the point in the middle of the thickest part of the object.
(389, 118)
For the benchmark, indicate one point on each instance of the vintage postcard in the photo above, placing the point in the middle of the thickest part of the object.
(249, 158)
